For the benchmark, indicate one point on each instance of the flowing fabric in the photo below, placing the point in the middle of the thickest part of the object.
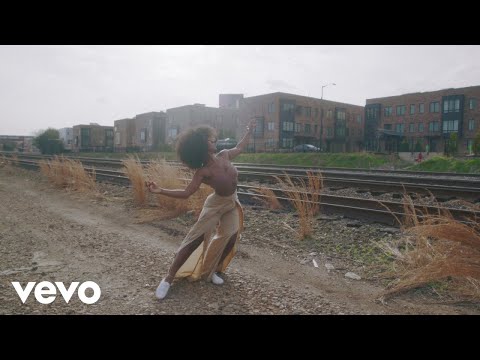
(220, 219)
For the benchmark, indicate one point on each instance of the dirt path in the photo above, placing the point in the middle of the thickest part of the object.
(53, 235)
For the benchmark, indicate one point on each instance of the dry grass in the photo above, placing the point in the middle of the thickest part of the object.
(170, 177)
(134, 171)
(4, 161)
(436, 249)
(69, 174)
(305, 198)
(269, 199)
(167, 176)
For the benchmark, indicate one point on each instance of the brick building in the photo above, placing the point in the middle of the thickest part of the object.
(423, 121)
(145, 132)
(92, 137)
(285, 120)
(225, 120)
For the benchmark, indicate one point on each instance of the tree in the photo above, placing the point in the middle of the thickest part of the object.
(452, 144)
(48, 142)
(476, 143)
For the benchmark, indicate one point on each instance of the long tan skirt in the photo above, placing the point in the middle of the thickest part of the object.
(220, 219)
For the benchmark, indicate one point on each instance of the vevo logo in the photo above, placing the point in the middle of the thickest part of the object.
(47, 288)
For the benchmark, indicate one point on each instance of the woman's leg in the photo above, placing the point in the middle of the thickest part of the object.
(229, 247)
(181, 257)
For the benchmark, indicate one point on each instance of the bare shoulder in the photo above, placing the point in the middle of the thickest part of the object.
(202, 172)
(223, 153)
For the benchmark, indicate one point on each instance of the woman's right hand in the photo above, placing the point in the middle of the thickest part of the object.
(152, 186)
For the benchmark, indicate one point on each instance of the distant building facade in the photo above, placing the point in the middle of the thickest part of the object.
(225, 120)
(286, 120)
(423, 121)
(17, 143)
(66, 135)
(92, 138)
(145, 132)
(229, 101)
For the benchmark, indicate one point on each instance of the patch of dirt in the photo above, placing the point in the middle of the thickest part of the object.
(55, 235)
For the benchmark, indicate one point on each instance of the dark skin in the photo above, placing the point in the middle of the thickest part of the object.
(218, 173)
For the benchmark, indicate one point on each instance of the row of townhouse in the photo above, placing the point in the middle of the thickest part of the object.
(424, 121)
(286, 120)
(152, 131)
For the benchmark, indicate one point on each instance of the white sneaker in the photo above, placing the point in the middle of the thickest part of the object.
(217, 280)
(162, 289)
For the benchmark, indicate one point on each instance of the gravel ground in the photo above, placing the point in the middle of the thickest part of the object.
(57, 235)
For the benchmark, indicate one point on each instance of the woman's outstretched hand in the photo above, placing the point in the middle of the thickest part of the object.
(251, 125)
(151, 186)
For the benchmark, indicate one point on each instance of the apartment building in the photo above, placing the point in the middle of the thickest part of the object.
(145, 132)
(66, 135)
(286, 120)
(423, 121)
(92, 138)
(224, 119)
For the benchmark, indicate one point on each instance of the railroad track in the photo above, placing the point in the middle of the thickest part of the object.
(444, 186)
(367, 210)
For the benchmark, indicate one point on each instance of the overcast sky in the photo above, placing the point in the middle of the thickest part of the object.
(62, 86)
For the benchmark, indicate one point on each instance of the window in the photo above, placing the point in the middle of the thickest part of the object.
(433, 126)
(329, 132)
(287, 143)
(271, 126)
(387, 126)
(387, 111)
(117, 138)
(411, 127)
(412, 109)
(450, 126)
(399, 128)
(359, 119)
(143, 135)
(288, 107)
(308, 128)
(471, 124)
(270, 143)
(420, 127)
(329, 113)
(472, 104)
(372, 113)
(316, 112)
(85, 137)
(109, 133)
(271, 107)
(400, 110)
(316, 128)
(298, 127)
(434, 107)
(287, 126)
(299, 110)
(340, 114)
(421, 108)
(172, 133)
(451, 105)
(308, 111)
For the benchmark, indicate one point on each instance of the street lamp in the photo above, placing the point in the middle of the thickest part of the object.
(326, 86)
